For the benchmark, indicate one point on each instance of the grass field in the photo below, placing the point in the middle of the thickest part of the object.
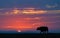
(29, 35)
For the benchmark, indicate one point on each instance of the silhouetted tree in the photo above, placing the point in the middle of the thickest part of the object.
(43, 29)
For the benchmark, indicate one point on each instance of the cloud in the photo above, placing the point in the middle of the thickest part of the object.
(35, 18)
(1, 9)
(53, 12)
(51, 6)
(18, 11)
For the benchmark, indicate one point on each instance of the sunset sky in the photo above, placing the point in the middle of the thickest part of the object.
(27, 15)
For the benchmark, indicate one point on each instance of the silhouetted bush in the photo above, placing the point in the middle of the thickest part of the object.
(43, 29)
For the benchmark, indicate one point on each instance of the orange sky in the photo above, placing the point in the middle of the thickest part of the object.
(27, 21)
(22, 24)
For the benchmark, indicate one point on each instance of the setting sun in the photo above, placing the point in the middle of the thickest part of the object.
(18, 30)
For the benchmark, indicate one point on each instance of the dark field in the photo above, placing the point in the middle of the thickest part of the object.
(29, 35)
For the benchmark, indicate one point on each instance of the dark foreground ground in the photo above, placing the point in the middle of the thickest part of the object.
(29, 35)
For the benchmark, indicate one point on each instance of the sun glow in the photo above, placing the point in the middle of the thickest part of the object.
(18, 30)
(21, 24)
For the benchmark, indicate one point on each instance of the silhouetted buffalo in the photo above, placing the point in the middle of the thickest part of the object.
(43, 29)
